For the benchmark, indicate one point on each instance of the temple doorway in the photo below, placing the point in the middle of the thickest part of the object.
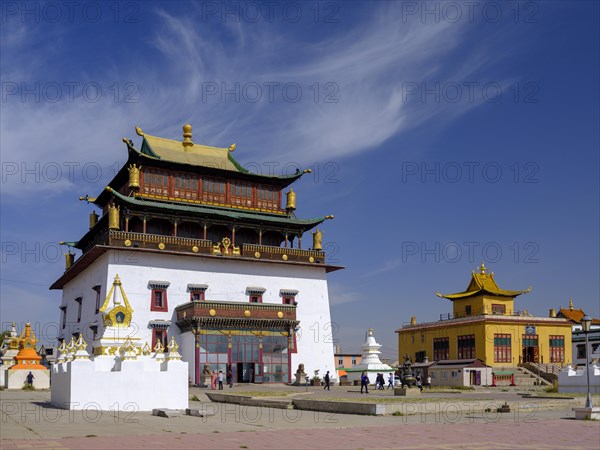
(246, 372)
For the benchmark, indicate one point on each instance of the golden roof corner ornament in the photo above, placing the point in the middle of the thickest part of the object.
(439, 294)
(329, 217)
(307, 171)
(187, 135)
(139, 131)
(232, 147)
(87, 199)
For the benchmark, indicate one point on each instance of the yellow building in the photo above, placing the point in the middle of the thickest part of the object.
(485, 325)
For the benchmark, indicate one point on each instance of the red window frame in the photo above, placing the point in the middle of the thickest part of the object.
(268, 197)
(441, 349)
(255, 298)
(155, 182)
(466, 346)
(159, 333)
(153, 306)
(287, 300)
(502, 348)
(214, 190)
(557, 352)
(199, 294)
(185, 186)
(241, 193)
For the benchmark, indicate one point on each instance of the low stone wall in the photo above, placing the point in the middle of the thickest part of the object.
(15, 378)
(368, 409)
(249, 401)
(571, 380)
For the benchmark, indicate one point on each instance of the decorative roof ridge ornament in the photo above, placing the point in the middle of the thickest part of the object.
(187, 135)
(482, 268)
(139, 131)
(232, 147)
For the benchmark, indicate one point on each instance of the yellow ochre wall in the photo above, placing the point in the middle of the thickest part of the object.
(484, 339)
(481, 305)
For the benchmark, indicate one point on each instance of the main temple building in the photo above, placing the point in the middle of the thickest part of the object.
(201, 250)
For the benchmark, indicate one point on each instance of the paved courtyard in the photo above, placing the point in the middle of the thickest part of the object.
(435, 420)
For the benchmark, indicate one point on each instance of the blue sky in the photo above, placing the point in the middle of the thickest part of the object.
(439, 134)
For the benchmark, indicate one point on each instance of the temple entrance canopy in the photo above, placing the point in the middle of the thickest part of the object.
(254, 340)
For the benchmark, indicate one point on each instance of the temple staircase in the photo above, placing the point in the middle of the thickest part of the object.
(523, 376)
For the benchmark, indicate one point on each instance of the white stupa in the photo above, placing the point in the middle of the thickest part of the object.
(370, 362)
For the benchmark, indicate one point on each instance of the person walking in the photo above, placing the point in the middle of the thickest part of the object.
(428, 382)
(364, 383)
(229, 378)
(29, 379)
(220, 380)
(419, 383)
(327, 380)
(391, 381)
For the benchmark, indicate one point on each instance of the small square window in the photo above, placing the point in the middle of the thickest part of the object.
(159, 300)
(256, 299)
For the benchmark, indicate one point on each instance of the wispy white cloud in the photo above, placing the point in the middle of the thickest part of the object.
(368, 65)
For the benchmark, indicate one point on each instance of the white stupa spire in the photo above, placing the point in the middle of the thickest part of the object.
(370, 357)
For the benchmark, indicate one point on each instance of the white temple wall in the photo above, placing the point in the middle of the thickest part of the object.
(187, 346)
(227, 280)
(81, 286)
(76, 385)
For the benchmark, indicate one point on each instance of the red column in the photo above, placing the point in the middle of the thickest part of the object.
(260, 360)
(289, 357)
(229, 351)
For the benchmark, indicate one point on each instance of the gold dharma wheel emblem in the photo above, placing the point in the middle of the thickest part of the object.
(257, 255)
(212, 312)
(284, 257)
(127, 243)
(311, 259)
(280, 314)
(195, 249)
(161, 246)
(247, 313)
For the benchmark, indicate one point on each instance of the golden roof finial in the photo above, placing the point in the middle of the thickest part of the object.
(232, 147)
(139, 131)
(187, 135)
(571, 304)
(482, 268)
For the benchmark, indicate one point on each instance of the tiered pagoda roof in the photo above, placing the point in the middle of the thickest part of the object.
(483, 283)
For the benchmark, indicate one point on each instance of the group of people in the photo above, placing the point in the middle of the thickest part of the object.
(420, 382)
(228, 377)
(380, 381)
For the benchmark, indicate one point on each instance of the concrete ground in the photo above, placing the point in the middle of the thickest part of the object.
(435, 420)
